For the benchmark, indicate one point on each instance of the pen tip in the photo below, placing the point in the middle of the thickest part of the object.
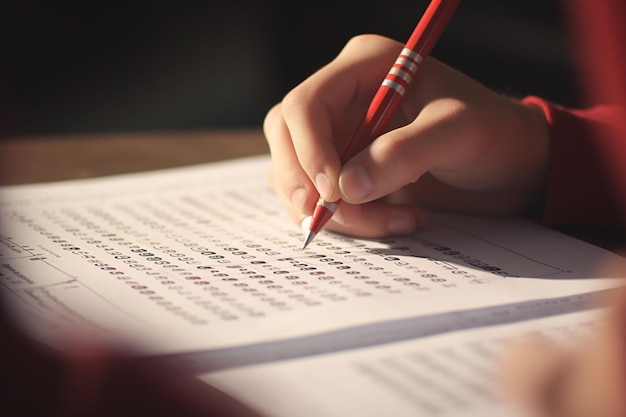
(308, 238)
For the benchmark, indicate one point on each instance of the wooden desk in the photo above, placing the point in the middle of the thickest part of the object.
(42, 159)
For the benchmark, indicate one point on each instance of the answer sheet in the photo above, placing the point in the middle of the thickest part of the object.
(448, 375)
(203, 259)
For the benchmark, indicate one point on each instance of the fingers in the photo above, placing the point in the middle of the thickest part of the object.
(402, 156)
(306, 130)
(286, 176)
(297, 192)
(466, 136)
(376, 219)
(322, 111)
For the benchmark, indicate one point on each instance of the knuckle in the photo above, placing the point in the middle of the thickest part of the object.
(293, 102)
(364, 42)
(272, 117)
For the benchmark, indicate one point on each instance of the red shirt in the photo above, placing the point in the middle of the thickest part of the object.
(587, 186)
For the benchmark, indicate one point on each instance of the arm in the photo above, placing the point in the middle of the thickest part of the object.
(587, 177)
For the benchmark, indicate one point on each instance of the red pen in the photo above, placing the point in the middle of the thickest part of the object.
(389, 95)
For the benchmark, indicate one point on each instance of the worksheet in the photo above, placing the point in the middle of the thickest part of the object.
(202, 262)
(448, 375)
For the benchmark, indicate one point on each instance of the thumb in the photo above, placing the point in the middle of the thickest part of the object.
(438, 138)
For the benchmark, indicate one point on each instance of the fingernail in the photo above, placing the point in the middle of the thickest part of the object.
(323, 185)
(305, 224)
(298, 198)
(355, 183)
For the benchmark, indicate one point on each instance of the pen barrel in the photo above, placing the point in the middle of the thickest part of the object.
(400, 76)
(431, 25)
(376, 120)
(384, 103)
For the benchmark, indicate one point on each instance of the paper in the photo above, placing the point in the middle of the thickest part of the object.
(203, 259)
(452, 374)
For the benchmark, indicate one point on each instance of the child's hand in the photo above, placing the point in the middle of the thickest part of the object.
(453, 145)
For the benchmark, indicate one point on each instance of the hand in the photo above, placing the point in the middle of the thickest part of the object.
(546, 380)
(453, 145)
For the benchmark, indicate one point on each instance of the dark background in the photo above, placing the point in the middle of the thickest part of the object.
(89, 66)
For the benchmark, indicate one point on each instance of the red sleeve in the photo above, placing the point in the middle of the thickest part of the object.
(587, 177)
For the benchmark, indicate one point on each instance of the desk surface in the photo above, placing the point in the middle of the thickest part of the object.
(42, 159)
